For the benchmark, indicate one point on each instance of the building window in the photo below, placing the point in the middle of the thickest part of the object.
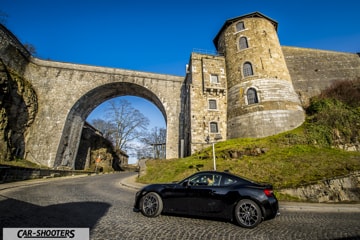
(214, 79)
(240, 26)
(243, 43)
(247, 69)
(213, 127)
(252, 96)
(212, 104)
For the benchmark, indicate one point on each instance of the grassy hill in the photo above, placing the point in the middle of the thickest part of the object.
(273, 159)
(302, 156)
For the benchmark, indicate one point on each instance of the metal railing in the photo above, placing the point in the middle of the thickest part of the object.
(208, 52)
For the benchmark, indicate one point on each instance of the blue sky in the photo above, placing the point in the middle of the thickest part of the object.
(159, 35)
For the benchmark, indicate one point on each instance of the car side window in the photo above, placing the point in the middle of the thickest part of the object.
(214, 180)
(198, 180)
(205, 180)
(228, 181)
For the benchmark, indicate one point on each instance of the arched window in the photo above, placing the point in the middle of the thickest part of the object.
(214, 127)
(240, 26)
(251, 95)
(247, 69)
(243, 43)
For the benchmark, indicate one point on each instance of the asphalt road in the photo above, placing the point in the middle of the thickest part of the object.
(104, 205)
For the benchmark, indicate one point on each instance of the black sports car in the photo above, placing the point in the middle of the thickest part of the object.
(211, 194)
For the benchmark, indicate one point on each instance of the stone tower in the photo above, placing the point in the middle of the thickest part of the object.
(204, 102)
(261, 98)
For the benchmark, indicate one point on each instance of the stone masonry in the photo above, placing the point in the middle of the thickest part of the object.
(67, 93)
(205, 101)
(252, 87)
(277, 107)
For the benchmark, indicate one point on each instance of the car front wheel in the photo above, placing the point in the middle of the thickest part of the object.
(151, 204)
(248, 213)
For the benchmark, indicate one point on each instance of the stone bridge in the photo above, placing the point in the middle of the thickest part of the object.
(67, 93)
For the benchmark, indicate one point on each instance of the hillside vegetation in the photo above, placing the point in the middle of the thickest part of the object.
(308, 154)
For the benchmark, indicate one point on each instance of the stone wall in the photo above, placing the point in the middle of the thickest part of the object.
(277, 108)
(12, 173)
(67, 93)
(342, 189)
(314, 70)
(200, 91)
(92, 144)
(18, 100)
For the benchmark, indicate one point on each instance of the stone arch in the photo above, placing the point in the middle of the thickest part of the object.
(76, 117)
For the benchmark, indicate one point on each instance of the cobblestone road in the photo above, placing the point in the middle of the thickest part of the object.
(103, 205)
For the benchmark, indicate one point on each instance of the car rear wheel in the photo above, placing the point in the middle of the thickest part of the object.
(248, 213)
(151, 204)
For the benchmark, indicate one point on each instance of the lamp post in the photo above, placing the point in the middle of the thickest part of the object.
(207, 139)
(214, 158)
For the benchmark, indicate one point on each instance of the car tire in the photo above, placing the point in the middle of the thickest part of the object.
(248, 213)
(151, 205)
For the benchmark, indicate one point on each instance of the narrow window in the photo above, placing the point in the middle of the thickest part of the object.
(247, 69)
(213, 127)
(214, 79)
(240, 26)
(252, 96)
(243, 43)
(212, 104)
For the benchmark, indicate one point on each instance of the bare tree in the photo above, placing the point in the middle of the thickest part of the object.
(31, 48)
(142, 150)
(105, 127)
(157, 139)
(129, 122)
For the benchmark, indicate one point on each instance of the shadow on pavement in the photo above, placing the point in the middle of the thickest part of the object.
(17, 214)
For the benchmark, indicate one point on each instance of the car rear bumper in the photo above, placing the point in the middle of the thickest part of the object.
(272, 210)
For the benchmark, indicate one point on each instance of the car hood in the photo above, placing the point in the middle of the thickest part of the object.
(160, 186)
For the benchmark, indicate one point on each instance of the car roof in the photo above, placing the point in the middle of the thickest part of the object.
(218, 172)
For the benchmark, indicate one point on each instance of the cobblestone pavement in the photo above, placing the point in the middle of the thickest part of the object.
(104, 205)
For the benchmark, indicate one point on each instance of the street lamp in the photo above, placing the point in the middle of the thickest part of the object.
(207, 139)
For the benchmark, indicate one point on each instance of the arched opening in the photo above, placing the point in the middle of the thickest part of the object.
(141, 125)
(78, 114)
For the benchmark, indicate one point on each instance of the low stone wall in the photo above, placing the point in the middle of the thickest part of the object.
(12, 174)
(344, 189)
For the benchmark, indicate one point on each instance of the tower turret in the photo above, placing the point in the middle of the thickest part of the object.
(261, 97)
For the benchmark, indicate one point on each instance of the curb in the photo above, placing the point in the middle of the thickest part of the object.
(319, 207)
(130, 182)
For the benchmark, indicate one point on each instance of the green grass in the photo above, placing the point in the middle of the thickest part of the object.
(285, 161)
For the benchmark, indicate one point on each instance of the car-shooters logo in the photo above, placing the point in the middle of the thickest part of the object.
(46, 233)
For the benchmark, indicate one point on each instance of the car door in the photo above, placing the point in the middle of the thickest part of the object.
(205, 197)
(175, 198)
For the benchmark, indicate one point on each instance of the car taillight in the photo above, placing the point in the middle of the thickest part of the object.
(268, 192)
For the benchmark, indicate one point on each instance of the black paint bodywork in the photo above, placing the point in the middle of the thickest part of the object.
(211, 201)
